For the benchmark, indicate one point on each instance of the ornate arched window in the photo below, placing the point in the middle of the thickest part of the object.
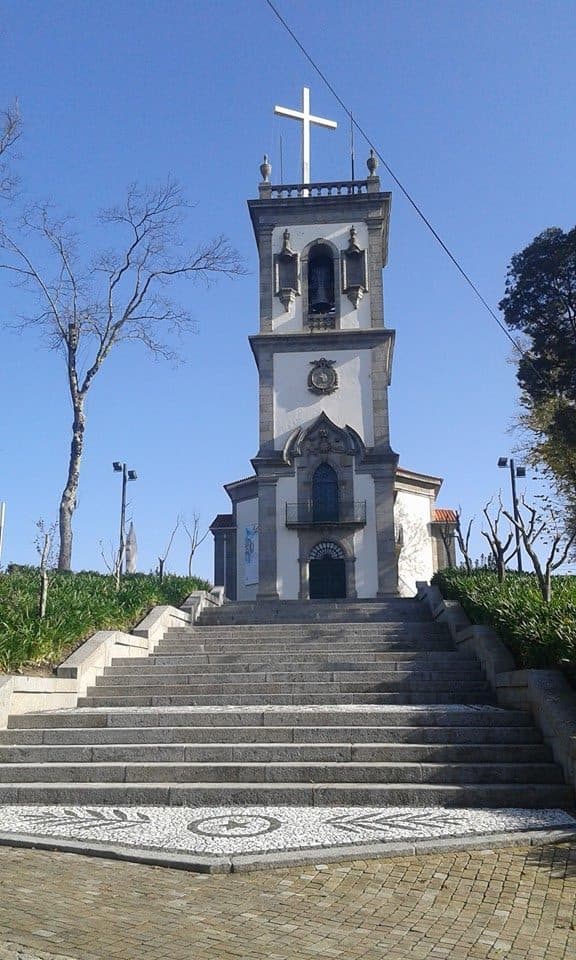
(325, 494)
(321, 287)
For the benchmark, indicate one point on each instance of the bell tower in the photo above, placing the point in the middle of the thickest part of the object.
(324, 360)
(317, 518)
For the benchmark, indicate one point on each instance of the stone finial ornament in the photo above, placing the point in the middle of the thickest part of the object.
(266, 169)
(354, 281)
(353, 246)
(286, 248)
(372, 163)
(286, 271)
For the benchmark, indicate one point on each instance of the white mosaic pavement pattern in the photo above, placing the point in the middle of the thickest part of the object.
(228, 830)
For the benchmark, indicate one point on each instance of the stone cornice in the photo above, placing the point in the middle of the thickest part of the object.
(372, 208)
(270, 343)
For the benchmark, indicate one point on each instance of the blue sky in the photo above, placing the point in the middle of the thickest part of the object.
(471, 103)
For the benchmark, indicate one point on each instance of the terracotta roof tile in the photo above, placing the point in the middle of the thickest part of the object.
(442, 515)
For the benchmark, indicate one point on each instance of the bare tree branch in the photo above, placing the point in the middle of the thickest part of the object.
(531, 530)
(498, 547)
(192, 529)
(10, 132)
(85, 311)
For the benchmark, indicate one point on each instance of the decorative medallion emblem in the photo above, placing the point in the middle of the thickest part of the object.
(322, 377)
(240, 825)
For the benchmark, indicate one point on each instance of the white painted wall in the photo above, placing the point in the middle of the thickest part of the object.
(365, 548)
(287, 541)
(291, 321)
(412, 511)
(295, 406)
(246, 515)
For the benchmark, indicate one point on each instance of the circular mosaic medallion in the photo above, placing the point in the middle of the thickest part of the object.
(240, 825)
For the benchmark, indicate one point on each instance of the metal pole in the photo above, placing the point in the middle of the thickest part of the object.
(122, 518)
(515, 506)
(2, 515)
(352, 143)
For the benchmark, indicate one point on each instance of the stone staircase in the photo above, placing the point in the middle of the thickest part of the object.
(287, 703)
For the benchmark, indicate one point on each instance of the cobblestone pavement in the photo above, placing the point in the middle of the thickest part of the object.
(517, 903)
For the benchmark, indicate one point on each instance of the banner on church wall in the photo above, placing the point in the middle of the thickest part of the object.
(251, 554)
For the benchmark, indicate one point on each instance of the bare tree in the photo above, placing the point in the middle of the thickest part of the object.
(44, 543)
(195, 538)
(447, 535)
(498, 546)
(463, 540)
(85, 311)
(536, 528)
(112, 558)
(10, 131)
(162, 560)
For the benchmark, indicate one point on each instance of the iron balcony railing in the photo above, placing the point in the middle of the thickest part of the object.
(306, 514)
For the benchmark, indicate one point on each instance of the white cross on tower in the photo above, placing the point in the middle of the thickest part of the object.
(307, 118)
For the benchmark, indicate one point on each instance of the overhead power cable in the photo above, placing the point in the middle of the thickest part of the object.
(354, 123)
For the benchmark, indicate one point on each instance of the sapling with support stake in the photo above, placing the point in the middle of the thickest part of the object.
(46, 548)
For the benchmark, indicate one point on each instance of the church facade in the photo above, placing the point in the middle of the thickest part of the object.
(327, 512)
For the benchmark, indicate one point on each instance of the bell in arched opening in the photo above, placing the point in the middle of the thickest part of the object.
(321, 280)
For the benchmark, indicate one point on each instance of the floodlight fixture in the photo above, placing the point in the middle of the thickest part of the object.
(502, 461)
(132, 475)
(117, 466)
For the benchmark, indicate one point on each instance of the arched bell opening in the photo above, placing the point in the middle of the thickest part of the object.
(322, 292)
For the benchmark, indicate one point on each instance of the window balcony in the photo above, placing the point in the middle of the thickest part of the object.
(308, 514)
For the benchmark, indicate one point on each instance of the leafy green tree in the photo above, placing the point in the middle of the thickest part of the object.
(540, 302)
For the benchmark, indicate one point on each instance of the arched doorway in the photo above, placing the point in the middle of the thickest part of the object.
(327, 572)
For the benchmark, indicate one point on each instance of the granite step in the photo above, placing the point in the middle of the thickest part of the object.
(300, 715)
(309, 631)
(293, 611)
(420, 736)
(252, 661)
(365, 771)
(532, 795)
(338, 648)
(394, 683)
(224, 674)
(332, 698)
(262, 752)
(287, 703)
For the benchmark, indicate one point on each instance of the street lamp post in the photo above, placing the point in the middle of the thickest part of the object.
(514, 472)
(126, 476)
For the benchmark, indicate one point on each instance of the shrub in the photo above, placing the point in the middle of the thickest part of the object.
(78, 605)
(538, 634)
